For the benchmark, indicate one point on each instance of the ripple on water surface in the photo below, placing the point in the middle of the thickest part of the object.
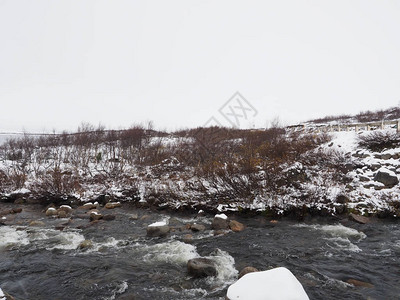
(338, 236)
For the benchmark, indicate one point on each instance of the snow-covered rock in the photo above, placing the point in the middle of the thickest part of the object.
(158, 224)
(112, 205)
(66, 208)
(51, 211)
(221, 216)
(2, 296)
(95, 215)
(158, 229)
(89, 205)
(275, 284)
(387, 177)
(220, 222)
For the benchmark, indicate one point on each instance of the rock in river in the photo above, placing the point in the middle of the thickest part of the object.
(95, 215)
(201, 267)
(112, 205)
(160, 229)
(359, 219)
(197, 227)
(220, 222)
(66, 208)
(236, 226)
(51, 211)
(86, 244)
(359, 283)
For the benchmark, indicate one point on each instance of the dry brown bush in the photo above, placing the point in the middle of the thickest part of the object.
(57, 182)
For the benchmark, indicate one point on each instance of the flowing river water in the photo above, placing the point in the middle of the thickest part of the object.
(45, 262)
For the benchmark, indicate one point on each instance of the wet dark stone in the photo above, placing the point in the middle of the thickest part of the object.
(220, 223)
(359, 219)
(197, 227)
(158, 231)
(201, 267)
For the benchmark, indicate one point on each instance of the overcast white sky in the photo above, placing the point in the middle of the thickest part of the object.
(177, 62)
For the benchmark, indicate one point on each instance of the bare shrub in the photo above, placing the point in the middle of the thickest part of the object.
(379, 140)
(57, 182)
(17, 178)
(341, 118)
(4, 181)
(365, 116)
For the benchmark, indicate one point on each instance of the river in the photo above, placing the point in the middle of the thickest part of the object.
(42, 262)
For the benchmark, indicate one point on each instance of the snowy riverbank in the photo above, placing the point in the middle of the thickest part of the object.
(313, 174)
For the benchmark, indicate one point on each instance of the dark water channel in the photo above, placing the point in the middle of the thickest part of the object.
(42, 262)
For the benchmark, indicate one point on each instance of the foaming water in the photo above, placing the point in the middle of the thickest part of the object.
(339, 237)
(105, 245)
(12, 236)
(120, 289)
(170, 252)
(343, 244)
(337, 230)
(64, 240)
(225, 263)
(38, 238)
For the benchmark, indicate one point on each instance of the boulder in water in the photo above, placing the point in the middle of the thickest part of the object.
(197, 227)
(236, 226)
(16, 210)
(89, 206)
(359, 283)
(275, 284)
(359, 219)
(112, 205)
(158, 229)
(36, 223)
(51, 211)
(201, 267)
(66, 208)
(86, 244)
(95, 216)
(220, 222)
(62, 213)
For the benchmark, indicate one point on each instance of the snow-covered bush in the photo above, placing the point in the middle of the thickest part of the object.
(379, 140)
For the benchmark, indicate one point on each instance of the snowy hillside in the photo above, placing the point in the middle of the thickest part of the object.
(274, 171)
